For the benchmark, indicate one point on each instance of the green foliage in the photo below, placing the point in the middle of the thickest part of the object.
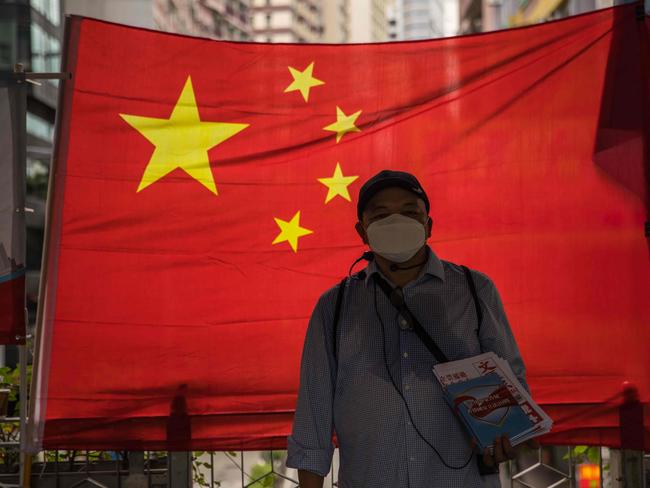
(583, 454)
(10, 431)
(38, 174)
(263, 471)
(80, 456)
(10, 379)
(198, 475)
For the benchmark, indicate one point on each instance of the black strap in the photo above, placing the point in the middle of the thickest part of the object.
(339, 305)
(397, 300)
(472, 288)
(337, 314)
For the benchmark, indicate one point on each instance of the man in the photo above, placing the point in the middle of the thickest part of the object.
(371, 381)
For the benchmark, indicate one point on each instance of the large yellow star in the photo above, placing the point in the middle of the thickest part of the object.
(344, 124)
(182, 140)
(291, 231)
(303, 81)
(337, 184)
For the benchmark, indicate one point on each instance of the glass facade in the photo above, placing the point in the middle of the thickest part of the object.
(8, 33)
(50, 9)
(46, 50)
(39, 128)
(14, 34)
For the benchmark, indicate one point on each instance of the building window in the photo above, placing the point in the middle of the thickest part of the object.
(46, 50)
(39, 128)
(7, 41)
(50, 9)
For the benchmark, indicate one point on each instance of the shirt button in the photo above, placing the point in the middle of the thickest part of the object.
(406, 354)
(407, 387)
(403, 323)
(411, 458)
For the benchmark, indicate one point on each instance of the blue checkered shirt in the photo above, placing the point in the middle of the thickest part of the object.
(354, 396)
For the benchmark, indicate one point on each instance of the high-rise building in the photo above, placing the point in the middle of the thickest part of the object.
(470, 16)
(425, 19)
(368, 21)
(131, 12)
(336, 21)
(489, 15)
(31, 34)
(394, 19)
(536, 11)
(288, 20)
(217, 19)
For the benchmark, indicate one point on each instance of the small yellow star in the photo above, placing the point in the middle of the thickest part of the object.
(344, 124)
(303, 81)
(182, 140)
(337, 184)
(291, 231)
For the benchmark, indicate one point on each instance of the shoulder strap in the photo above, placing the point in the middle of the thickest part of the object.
(337, 315)
(472, 288)
(401, 307)
(397, 300)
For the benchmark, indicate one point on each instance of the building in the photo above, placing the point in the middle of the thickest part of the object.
(217, 19)
(289, 20)
(394, 19)
(336, 21)
(489, 15)
(423, 19)
(369, 21)
(537, 11)
(470, 16)
(31, 34)
(132, 12)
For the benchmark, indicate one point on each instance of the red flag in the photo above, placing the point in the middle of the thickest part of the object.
(205, 197)
(12, 211)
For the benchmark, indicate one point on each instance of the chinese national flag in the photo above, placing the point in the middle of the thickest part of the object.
(205, 196)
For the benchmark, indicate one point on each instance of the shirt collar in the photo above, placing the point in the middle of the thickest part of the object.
(433, 267)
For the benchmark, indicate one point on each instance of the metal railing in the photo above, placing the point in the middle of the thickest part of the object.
(548, 467)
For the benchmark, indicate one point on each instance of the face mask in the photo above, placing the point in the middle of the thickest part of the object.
(396, 237)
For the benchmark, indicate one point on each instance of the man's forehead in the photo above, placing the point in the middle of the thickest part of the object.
(394, 196)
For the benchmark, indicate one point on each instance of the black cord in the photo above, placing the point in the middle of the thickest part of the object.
(368, 256)
(399, 392)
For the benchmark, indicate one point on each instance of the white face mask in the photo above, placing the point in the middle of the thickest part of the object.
(396, 237)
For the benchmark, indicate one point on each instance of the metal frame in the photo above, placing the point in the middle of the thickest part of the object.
(84, 472)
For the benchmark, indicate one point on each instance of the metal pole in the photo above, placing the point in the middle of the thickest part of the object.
(25, 459)
(136, 477)
(179, 470)
(29, 75)
(632, 468)
(21, 106)
(632, 437)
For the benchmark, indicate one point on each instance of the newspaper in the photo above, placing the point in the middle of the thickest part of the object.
(490, 400)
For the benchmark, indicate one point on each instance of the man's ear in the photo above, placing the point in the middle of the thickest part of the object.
(362, 232)
(428, 226)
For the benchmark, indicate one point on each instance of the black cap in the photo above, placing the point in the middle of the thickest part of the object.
(389, 179)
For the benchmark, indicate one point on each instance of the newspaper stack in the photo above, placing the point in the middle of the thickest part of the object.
(490, 400)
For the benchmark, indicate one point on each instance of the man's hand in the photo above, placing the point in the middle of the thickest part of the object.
(307, 479)
(503, 450)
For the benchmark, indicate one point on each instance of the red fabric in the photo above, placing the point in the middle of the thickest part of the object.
(12, 311)
(172, 322)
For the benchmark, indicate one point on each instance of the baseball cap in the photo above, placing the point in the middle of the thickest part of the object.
(389, 179)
